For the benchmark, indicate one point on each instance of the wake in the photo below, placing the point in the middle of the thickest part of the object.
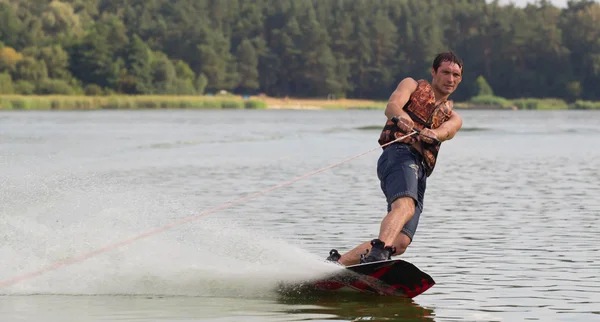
(51, 220)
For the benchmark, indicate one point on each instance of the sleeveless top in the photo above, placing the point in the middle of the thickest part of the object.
(425, 113)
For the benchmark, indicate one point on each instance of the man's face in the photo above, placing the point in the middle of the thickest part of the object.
(447, 78)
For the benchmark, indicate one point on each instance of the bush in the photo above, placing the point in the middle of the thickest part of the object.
(231, 104)
(93, 90)
(6, 84)
(24, 87)
(55, 86)
(491, 101)
(182, 87)
(255, 104)
(585, 105)
(483, 88)
(540, 104)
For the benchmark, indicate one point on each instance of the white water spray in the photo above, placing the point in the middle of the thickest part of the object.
(49, 220)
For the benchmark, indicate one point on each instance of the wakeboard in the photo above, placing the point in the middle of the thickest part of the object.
(394, 277)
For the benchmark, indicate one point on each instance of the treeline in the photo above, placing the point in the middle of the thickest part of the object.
(298, 48)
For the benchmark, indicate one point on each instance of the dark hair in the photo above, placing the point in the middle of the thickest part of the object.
(449, 57)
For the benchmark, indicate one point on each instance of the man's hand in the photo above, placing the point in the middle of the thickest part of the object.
(428, 136)
(405, 124)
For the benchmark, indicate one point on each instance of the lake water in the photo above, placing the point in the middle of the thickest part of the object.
(510, 230)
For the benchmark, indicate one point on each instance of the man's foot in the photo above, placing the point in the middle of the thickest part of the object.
(334, 256)
(378, 252)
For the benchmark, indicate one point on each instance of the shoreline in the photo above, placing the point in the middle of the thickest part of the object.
(149, 102)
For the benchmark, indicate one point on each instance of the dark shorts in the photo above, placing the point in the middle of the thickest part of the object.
(402, 174)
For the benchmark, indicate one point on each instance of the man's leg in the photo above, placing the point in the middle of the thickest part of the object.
(403, 210)
(399, 171)
(390, 231)
(403, 181)
(405, 238)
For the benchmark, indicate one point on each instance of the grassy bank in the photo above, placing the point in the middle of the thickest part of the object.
(496, 102)
(33, 102)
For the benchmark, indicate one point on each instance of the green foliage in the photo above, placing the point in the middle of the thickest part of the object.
(490, 101)
(247, 66)
(60, 20)
(183, 71)
(350, 49)
(585, 105)
(138, 65)
(9, 58)
(483, 88)
(24, 87)
(11, 27)
(540, 104)
(6, 84)
(255, 104)
(54, 86)
(24, 103)
(201, 83)
(54, 57)
(182, 87)
(163, 73)
(93, 90)
(214, 54)
(98, 58)
(31, 70)
(66, 102)
(574, 90)
(231, 104)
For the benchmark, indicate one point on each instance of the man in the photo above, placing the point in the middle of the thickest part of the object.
(404, 166)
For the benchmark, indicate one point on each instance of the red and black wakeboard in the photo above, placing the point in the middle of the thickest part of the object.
(390, 278)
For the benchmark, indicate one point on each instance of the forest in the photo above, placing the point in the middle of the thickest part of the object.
(296, 48)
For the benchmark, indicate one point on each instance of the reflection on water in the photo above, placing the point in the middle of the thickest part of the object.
(339, 307)
(358, 307)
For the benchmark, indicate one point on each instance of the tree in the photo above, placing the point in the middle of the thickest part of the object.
(9, 58)
(247, 66)
(98, 58)
(6, 84)
(214, 58)
(482, 86)
(354, 49)
(138, 65)
(30, 70)
(164, 74)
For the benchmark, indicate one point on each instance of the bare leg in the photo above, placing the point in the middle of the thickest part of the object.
(402, 242)
(353, 257)
(402, 210)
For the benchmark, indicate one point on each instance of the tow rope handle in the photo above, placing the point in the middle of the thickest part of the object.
(395, 119)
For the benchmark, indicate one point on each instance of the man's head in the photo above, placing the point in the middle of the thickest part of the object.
(446, 73)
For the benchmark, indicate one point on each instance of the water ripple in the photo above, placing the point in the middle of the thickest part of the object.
(509, 231)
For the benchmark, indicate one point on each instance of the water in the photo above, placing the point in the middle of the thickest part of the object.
(509, 232)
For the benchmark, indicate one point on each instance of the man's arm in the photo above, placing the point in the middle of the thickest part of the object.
(448, 129)
(399, 98)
